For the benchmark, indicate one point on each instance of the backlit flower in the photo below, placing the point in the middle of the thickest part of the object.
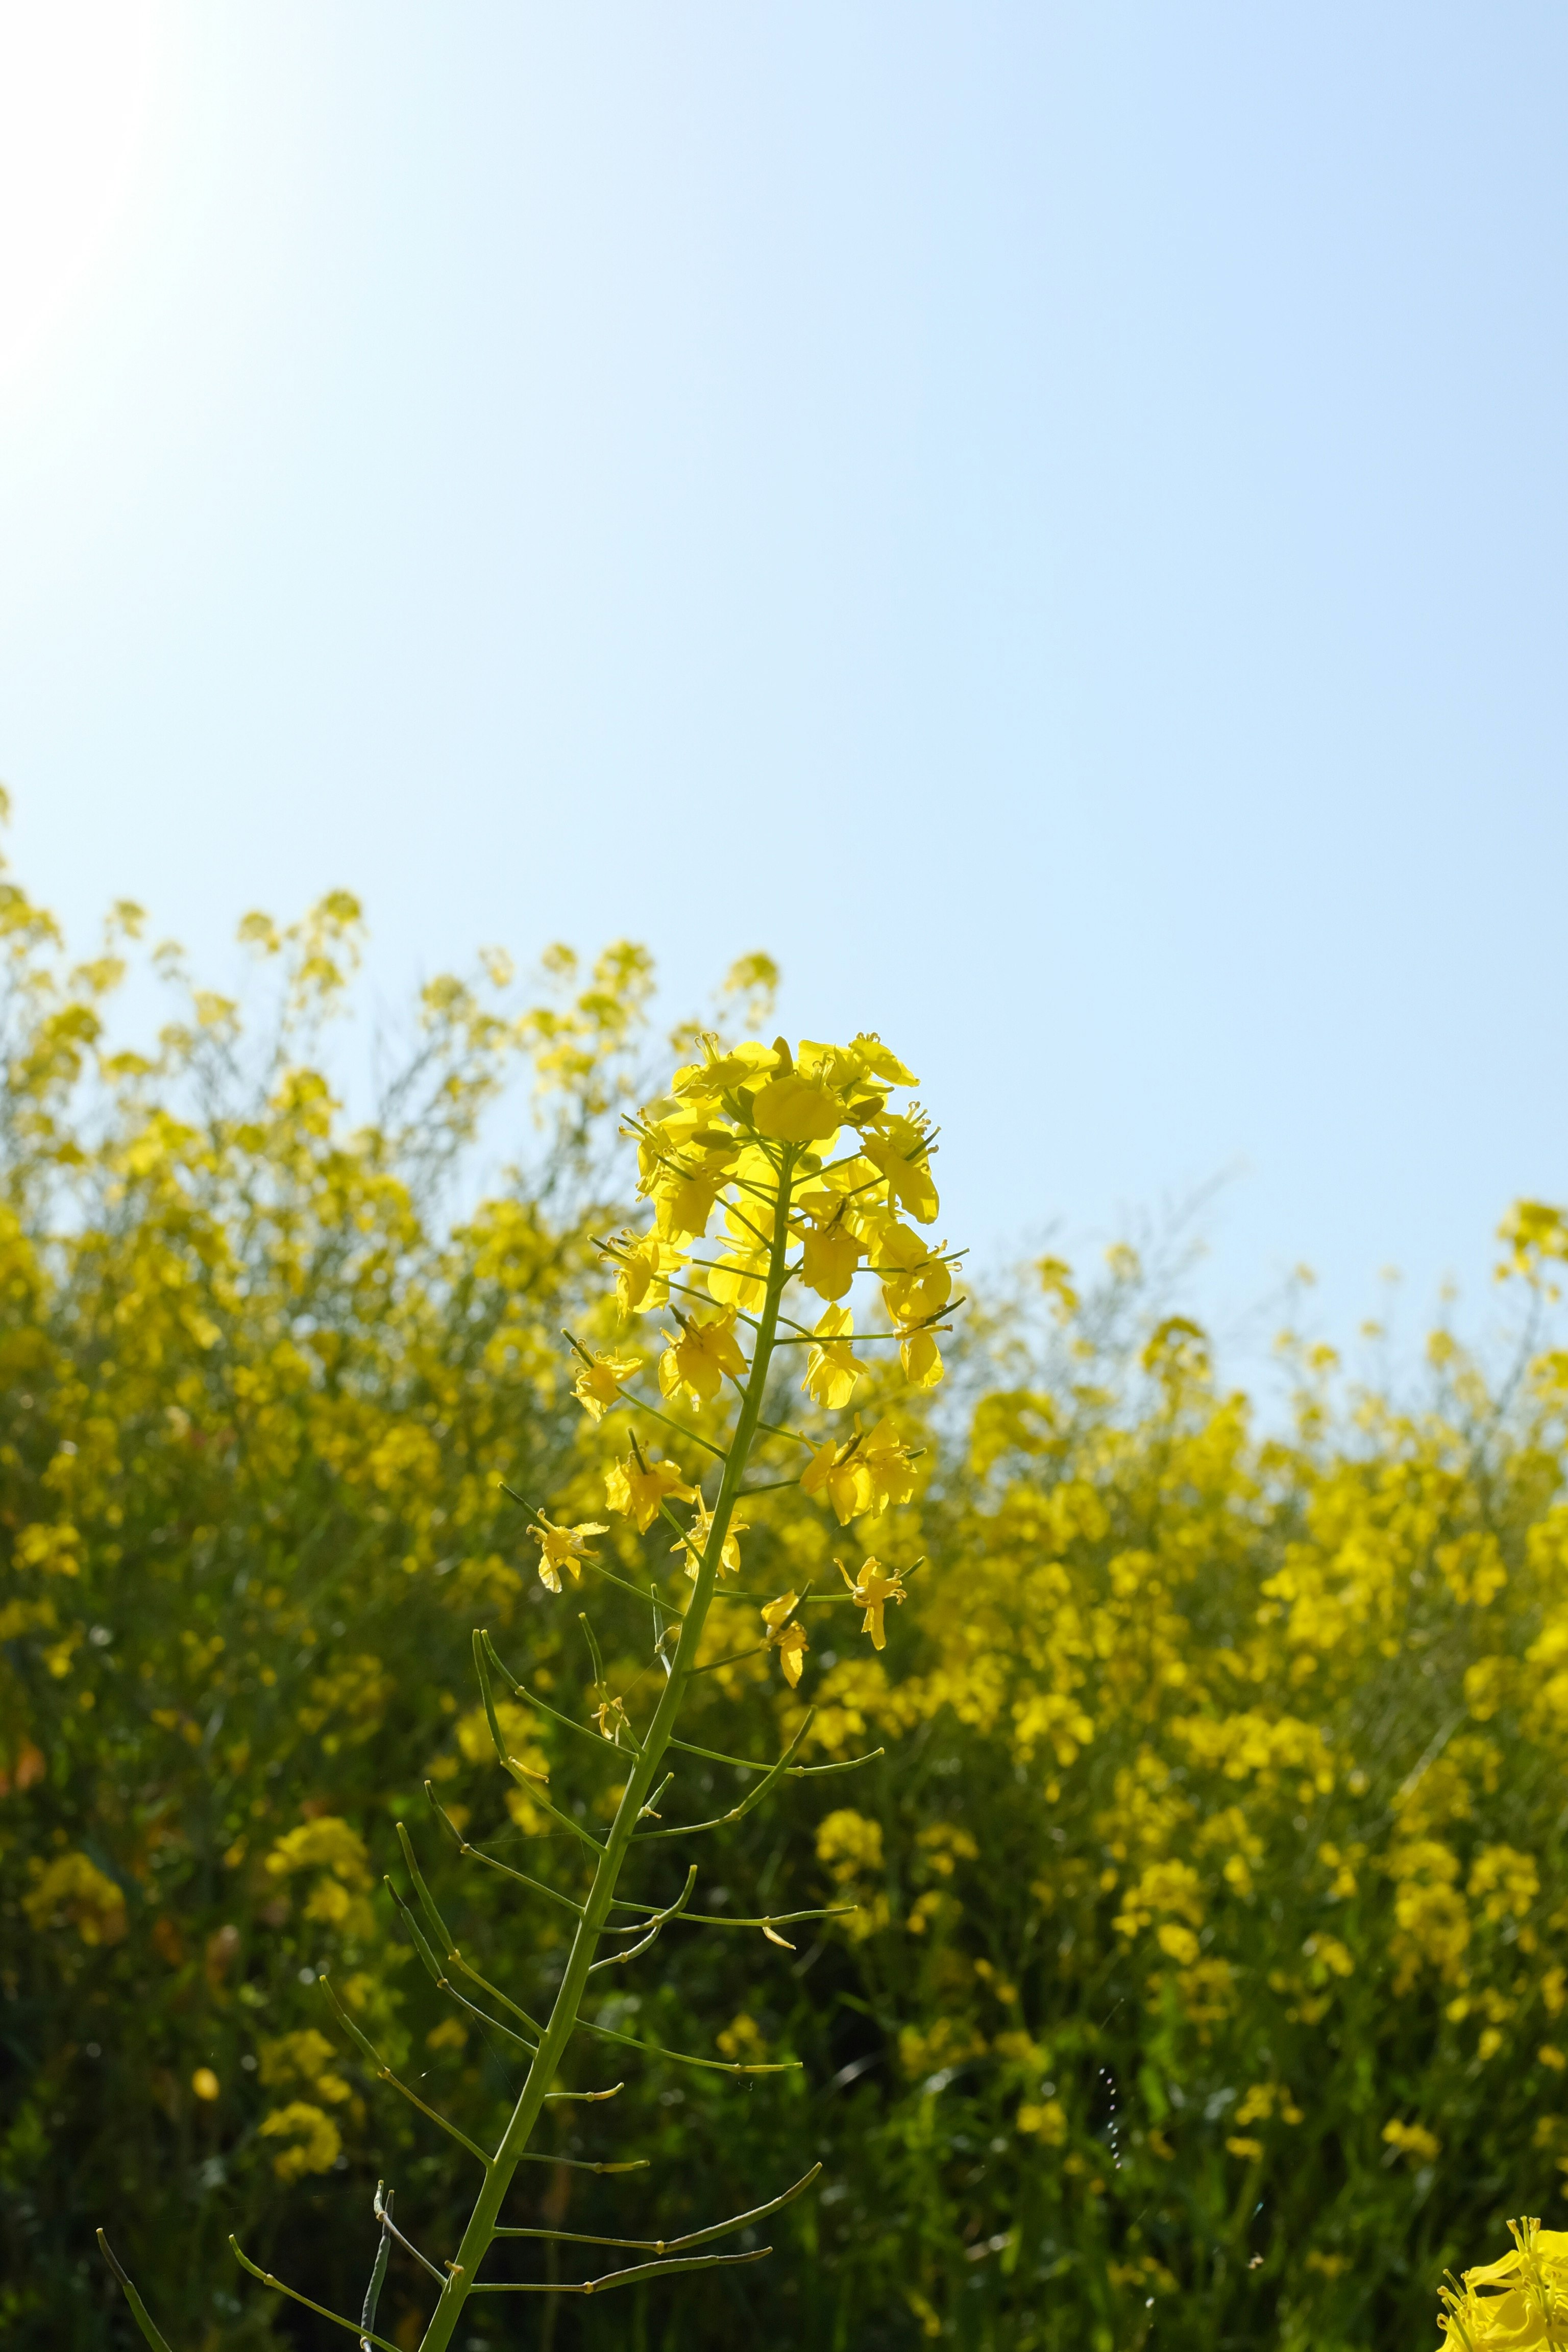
(598, 1385)
(562, 1548)
(636, 1488)
(871, 1590)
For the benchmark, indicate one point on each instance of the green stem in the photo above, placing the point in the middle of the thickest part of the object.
(562, 2022)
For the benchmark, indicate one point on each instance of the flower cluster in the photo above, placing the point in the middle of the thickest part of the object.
(771, 1173)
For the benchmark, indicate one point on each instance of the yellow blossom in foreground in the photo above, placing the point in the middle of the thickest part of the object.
(636, 1488)
(1513, 2304)
(598, 1385)
(797, 1111)
(871, 1590)
(699, 1359)
(871, 1472)
(888, 1467)
(900, 1149)
(917, 1284)
(644, 1268)
(836, 1472)
(562, 1548)
(786, 1634)
(832, 1368)
(695, 1543)
(829, 1255)
(921, 1358)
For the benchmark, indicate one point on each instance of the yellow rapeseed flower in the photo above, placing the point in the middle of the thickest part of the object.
(636, 1488)
(837, 1473)
(562, 1548)
(695, 1543)
(871, 1590)
(1515, 2304)
(644, 1268)
(786, 1634)
(706, 1350)
(832, 1368)
(598, 1385)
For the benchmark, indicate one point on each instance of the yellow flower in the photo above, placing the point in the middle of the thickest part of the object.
(317, 2142)
(841, 1476)
(205, 2084)
(598, 1385)
(921, 1358)
(1413, 2141)
(786, 1634)
(688, 1182)
(878, 1062)
(796, 1110)
(682, 1208)
(738, 1278)
(698, 1361)
(832, 1368)
(917, 1284)
(73, 1889)
(830, 1251)
(900, 1148)
(871, 1590)
(646, 1266)
(723, 1074)
(696, 1543)
(562, 1548)
(889, 1472)
(1530, 2306)
(636, 1488)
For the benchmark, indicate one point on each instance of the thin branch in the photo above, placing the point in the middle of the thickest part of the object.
(369, 2051)
(723, 1919)
(444, 1983)
(476, 1853)
(636, 1404)
(796, 1772)
(675, 2245)
(449, 1943)
(139, 2311)
(382, 2343)
(384, 2215)
(659, 1920)
(527, 1781)
(732, 1659)
(587, 2098)
(579, 2164)
(520, 1690)
(622, 2278)
(752, 1797)
(377, 2271)
(684, 2057)
(776, 1429)
(928, 1323)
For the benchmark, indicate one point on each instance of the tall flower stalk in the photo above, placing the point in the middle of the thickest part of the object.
(746, 1146)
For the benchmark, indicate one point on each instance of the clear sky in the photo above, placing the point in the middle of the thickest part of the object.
(1049, 517)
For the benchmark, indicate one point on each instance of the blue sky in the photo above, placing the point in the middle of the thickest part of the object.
(1050, 518)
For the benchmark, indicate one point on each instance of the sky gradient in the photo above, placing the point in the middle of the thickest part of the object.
(1050, 518)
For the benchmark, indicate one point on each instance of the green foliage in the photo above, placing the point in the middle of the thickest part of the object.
(1208, 1982)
